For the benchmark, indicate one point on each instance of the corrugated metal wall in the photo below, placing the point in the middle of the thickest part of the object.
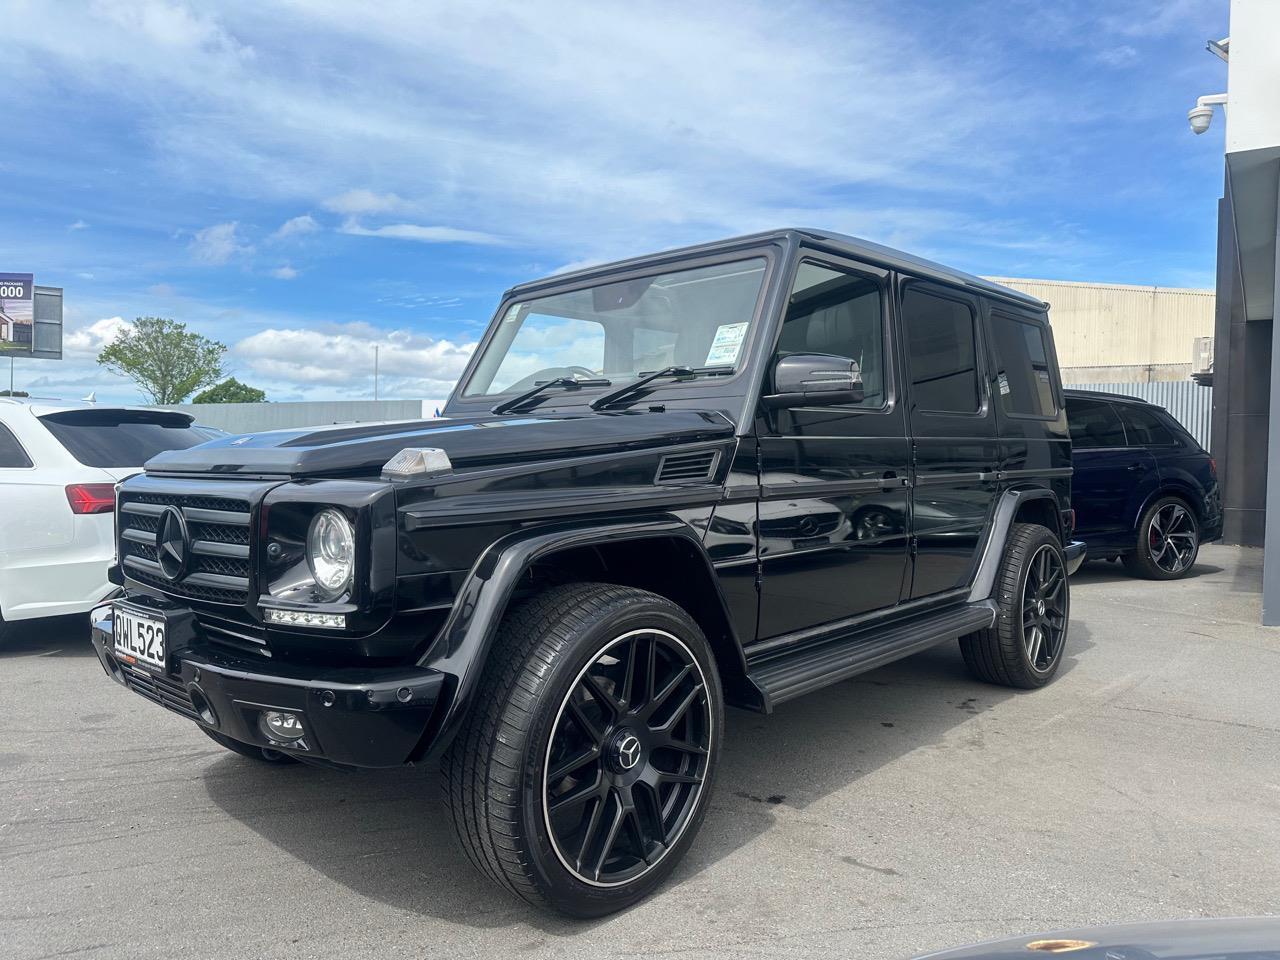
(1190, 403)
(1099, 325)
(256, 417)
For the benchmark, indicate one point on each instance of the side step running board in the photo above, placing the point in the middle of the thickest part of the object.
(789, 675)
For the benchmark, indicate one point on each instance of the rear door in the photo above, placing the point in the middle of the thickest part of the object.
(1112, 479)
(953, 432)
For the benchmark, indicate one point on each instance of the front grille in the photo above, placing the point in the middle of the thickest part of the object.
(160, 689)
(219, 564)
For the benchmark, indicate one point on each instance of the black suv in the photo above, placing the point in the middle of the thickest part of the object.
(728, 474)
(1145, 492)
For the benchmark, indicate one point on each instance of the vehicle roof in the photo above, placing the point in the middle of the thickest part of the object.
(841, 243)
(1103, 395)
(42, 406)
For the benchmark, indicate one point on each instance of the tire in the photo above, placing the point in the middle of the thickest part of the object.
(1173, 527)
(534, 809)
(262, 754)
(1033, 595)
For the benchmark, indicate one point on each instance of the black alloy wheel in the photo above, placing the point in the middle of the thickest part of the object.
(627, 758)
(586, 764)
(1024, 646)
(1044, 608)
(1168, 541)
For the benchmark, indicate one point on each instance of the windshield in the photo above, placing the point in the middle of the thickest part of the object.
(691, 318)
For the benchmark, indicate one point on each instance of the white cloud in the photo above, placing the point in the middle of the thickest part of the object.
(296, 227)
(409, 364)
(88, 341)
(285, 272)
(217, 244)
(364, 201)
(422, 234)
(78, 225)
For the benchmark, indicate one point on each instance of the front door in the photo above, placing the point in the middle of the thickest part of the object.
(953, 432)
(833, 513)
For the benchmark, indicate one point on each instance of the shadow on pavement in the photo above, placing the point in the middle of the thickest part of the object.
(48, 637)
(1105, 571)
(387, 834)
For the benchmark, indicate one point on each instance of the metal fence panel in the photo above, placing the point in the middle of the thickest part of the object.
(256, 417)
(1190, 403)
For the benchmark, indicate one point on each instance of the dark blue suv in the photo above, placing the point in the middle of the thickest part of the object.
(1144, 491)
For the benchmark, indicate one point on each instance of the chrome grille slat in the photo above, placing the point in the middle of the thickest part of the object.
(213, 548)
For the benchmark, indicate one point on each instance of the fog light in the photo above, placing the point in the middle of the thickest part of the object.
(305, 618)
(282, 727)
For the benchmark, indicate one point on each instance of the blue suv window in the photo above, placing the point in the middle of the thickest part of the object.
(1094, 424)
(1145, 429)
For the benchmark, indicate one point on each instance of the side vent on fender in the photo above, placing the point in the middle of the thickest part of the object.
(687, 467)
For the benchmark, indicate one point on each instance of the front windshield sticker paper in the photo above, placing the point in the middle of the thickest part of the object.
(727, 344)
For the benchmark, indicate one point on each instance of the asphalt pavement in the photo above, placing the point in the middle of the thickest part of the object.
(909, 809)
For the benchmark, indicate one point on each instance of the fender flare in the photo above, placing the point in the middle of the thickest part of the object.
(1006, 508)
(461, 650)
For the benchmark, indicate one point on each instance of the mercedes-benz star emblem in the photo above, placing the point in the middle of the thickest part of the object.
(628, 751)
(173, 543)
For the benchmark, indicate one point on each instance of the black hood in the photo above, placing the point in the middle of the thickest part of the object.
(362, 449)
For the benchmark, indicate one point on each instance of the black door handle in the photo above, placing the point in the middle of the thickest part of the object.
(1136, 467)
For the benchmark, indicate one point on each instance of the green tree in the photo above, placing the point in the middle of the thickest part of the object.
(231, 390)
(165, 360)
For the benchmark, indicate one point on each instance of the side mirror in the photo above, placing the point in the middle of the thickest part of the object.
(814, 379)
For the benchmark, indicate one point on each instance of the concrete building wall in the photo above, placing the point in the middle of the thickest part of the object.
(1119, 332)
(256, 417)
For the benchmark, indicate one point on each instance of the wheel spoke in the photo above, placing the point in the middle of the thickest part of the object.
(577, 796)
(591, 832)
(1033, 645)
(598, 693)
(684, 746)
(594, 733)
(573, 763)
(660, 698)
(611, 835)
(689, 699)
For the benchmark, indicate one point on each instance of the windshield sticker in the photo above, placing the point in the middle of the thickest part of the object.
(1004, 384)
(727, 344)
(512, 312)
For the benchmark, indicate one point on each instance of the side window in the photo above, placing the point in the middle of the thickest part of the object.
(942, 353)
(1145, 429)
(1094, 424)
(1025, 382)
(11, 452)
(842, 314)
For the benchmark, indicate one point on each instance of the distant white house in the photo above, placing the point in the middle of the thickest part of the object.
(6, 328)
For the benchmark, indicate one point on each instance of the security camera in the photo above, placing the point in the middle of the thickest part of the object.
(1200, 117)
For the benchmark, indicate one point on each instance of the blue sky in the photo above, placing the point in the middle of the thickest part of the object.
(303, 180)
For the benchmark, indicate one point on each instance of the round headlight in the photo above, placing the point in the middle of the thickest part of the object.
(331, 552)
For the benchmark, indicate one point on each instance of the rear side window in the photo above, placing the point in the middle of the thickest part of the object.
(1145, 429)
(942, 351)
(1094, 423)
(123, 438)
(1023, 378)
(11, 452)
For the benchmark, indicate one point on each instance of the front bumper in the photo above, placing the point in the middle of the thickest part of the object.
(1075, 553)
(364, 717)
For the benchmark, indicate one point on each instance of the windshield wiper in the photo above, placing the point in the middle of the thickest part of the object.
(569, 383)
(626, 391)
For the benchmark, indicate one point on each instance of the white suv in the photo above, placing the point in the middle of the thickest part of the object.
(59, 464)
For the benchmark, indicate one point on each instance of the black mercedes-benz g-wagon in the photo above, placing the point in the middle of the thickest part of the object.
(728, 474)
